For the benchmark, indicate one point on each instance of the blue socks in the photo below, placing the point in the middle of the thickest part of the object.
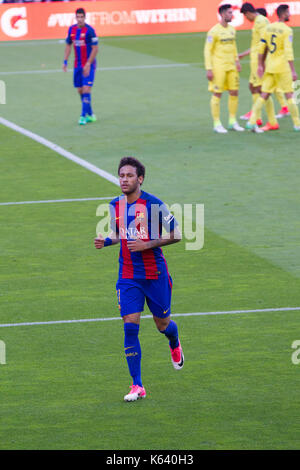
(171, 332)
(133, 352)
(86, 104)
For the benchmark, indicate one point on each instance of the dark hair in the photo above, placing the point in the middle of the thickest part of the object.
(224, 7)
(140, 169)
(281, 9)
(262, 11)
(80, 11)
(248, 8)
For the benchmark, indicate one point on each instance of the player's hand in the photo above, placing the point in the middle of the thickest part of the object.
(238, 66)
(65, 68)
(99, 242)
(86, 69)
(295, 76)
(137, 245)
(209, 75)
(260, 71)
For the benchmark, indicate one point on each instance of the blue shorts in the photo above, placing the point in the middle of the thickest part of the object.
(132, 294)
(79, 80)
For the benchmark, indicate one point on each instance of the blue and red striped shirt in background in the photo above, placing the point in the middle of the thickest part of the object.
(144, 219)
(83, 39)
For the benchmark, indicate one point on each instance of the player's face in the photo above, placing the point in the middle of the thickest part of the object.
(250, 16)
(227, 15)
(129, 180)
(286, 15)
(80, 18)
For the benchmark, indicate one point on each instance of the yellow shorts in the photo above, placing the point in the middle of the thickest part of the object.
(277, 82)
(254, 79)
(224, 80)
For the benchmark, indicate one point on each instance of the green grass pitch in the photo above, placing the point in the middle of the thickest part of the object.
(62, 386)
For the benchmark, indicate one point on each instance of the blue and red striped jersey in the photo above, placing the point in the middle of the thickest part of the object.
(144, 219)
(83, 39)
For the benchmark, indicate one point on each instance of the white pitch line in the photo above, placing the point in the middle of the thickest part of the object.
(48, 201)
(61, 151)
(197, 314)
(104, 69)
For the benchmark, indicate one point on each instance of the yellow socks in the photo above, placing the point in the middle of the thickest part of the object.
(293, 109)
(233, 102)
(271, 111)
(215, 109)
(256, 110)
(255, 97)
(281, 99)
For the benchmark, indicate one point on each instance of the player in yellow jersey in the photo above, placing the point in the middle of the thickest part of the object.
(284, 110)
(260, 22)
(276, 66)
(258, 17)
(222, 69)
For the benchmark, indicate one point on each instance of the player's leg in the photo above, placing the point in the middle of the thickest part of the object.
(256, 91)
(293, 108)
(268, 87)
(285, 83)
(87, 89)
(272, 123)
(215, 86)
(233, 84)
(215, 106)
(77, 80)
(247, 116)
(158, 296)
(284, 110)
(233, 102)
(131, 303)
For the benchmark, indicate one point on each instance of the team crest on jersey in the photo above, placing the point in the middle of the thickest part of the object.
(140, 215)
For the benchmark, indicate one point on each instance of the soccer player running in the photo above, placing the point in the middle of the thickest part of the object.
(137, 219)
(276, 66)
(85, 42)
(222, 69)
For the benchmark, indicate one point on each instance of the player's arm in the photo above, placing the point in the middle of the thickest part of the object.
(244, 54)
(208, 52)
(237, 59)
(262, 54)
(66, 57)
(93, 40)
(289, 54)
(67, 51)
(92, 56)
(113, 238)
(139, 245)
(101, 242)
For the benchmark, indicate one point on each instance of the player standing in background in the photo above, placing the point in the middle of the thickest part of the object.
(222, 69)
(276, 50)
(137, 219)
(260, 22)
(284, 111)
(85, 42)
(258, 17)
